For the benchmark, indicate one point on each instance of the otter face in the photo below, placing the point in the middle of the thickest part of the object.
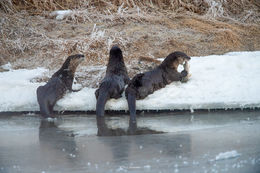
(173, 60)
(181, 60)
(74, 61)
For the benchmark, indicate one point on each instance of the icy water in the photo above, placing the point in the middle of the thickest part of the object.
(222, 141)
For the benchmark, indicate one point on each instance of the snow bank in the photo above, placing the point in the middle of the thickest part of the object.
(17, 92)
(218, 81)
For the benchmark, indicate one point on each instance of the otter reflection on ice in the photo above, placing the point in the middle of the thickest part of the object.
(56, 142)
(71, 150)
(121, 132)
(130, 148)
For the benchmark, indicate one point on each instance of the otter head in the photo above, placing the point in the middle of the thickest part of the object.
(115, 53)
(116, 62)
(175, 59)
(72, 62)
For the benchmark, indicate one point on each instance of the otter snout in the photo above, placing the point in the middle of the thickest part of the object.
(80, 57)
(187, 58)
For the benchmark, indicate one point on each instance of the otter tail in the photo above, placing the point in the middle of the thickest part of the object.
(101, 101)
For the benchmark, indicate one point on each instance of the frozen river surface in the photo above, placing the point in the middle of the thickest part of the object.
(223, 141)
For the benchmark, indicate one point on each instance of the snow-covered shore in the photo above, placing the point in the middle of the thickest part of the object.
(217, 82)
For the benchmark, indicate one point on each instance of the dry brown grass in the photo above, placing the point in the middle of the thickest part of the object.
(226, 38)
(38, 6)
(242, 10)
(145, 30)
(198, 6)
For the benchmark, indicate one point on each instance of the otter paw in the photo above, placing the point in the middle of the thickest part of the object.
(185, 79)
(184, 73)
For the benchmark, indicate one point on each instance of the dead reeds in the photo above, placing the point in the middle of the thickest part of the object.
(145, 30)
(39, 6)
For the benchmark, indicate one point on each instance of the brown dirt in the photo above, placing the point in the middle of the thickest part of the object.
(145, 32)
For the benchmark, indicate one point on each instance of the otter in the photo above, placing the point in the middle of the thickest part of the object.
(60, 82)
(112, 86)
(146, 83)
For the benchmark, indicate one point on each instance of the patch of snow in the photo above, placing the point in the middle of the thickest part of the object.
(77, 86)
(215, 8)
(217, 82)
(83, 100)
(7, 66)
(17, 92)
(227, 155)
(96, 34)
(121, 10)
(61, 14)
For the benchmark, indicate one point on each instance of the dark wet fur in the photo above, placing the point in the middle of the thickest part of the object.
(146, 83)
(112, 86)
(56, 87)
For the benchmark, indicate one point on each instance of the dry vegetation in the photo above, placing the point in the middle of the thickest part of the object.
(33, 36)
